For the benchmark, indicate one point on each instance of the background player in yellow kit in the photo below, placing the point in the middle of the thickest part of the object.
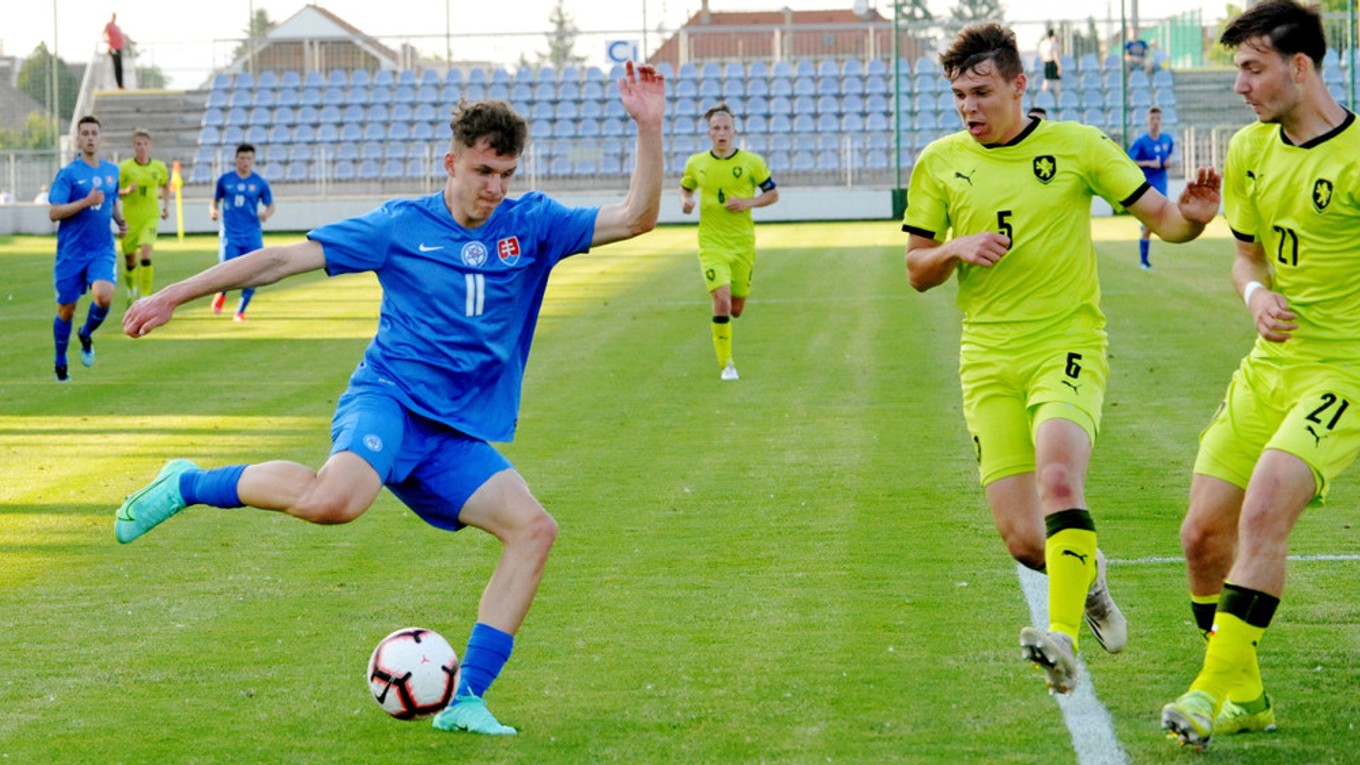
(729, 183)
(145, 194)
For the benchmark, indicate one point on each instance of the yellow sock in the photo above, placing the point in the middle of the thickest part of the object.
(722, 339)
(128, 274)
(1230, 663)
(1070, 558)
(146, 274)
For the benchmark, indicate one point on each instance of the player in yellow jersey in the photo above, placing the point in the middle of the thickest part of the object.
(145, 194)
(729, 183)
(1289, 423)
(1005, 207)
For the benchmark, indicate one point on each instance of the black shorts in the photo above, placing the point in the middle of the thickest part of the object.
(1051, 70)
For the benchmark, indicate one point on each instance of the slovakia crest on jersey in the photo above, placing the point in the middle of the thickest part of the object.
(508, 250)
(474, 254)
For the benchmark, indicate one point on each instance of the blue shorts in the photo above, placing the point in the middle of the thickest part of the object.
(72, 277)
(228, 250)
(431, 467)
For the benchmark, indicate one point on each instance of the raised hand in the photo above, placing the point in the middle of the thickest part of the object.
(643, 91)
(1200, 200)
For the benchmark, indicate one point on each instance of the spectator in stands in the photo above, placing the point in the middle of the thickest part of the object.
(114, 37)
(6, 198)
(729, 182)
(1050, 54)
(1152, 151)
(1136, 56)
(463, 273)
(41, 197)
(1037, 112)
(243, 191)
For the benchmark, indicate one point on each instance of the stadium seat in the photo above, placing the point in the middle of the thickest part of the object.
(221, 81)
(344, 170)
(876, 85)
(233, 135)
(404, 94)
(298, 171)
(218, 99)
(256, 134)
(201, 174)
(828, 162)
(780, 124)
(828, 105)
(288, 97)
(209, 136)
(804, 86)
(1088, 62)
(804, 123)
(853, 123)
(272, 172)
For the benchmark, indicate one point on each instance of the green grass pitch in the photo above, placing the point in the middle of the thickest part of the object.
(795, 568)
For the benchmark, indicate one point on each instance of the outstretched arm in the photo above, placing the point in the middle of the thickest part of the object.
(1186, 219)
(260, 267)
(644, 96)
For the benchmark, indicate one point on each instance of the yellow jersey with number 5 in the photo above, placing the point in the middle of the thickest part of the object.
(1037, 191)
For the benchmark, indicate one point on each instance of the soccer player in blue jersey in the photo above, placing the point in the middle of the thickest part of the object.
(463, 274)
(240, 194)
(83, 199)
(1152, 151)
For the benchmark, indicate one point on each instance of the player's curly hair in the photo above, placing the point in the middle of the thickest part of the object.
(495, 121)
(1288, 26)
(977, 44)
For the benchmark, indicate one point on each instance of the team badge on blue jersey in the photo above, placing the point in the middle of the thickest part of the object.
(508, 250)
(474, 254)
(1322, 194)
(1045, 167)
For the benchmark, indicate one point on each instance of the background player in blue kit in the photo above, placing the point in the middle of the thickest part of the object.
(1152, 151)
(240, 194)
(463, 274)
(83, 199)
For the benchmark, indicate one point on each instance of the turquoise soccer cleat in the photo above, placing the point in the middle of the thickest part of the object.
(469, 713)
(1190, 718)
(86, 349)
(147, 507)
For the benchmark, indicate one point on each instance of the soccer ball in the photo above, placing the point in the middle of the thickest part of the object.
(413, 673)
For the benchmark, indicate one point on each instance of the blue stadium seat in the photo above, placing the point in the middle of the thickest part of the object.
(298, 171)
(853, 68)
(399, 131)
(877, 121)
(244, 80)
(710, 90)
(218, 99)
(1139, 79)
(567, 110)
(241, 98)
(826, 123)
(803, 162)
(828, 86)
(1162, 78)
(337, 78)
(238, 116)
(272, 171)
(781, 87)
(371, 150)
(310, 97)
(209, 136)
(828, 105)
(804, 86)
(299, 153)
(804, 105)
(828, 162)
(233, 135)
(288, 97)
(351, 132)
(852, 85)
(405, 94)
(780, 124)
(853, 123)
(215, 118)
(876, 85)
(804, 123)
(280, 135)
(290, 80)
(613, 127)
(201, 173)
(221, 81)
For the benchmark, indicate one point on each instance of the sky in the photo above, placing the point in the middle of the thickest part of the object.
(187, 39)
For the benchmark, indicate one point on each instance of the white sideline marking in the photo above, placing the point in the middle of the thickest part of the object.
(1087, 719)
(1293, 559)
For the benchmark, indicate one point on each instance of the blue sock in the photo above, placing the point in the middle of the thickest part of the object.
(94, 318)
(61, 337)
(215, 487)
(1143, 249)
(487, 651)
(246, 295)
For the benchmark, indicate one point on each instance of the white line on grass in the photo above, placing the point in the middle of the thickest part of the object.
(1293, 559)
(1087, 719)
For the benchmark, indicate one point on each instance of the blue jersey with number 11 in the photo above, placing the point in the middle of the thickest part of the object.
(459, 305)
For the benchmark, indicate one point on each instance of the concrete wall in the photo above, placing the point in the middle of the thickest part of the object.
(795, 204)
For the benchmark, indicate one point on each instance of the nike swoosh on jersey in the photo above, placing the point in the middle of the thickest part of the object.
(425, 248)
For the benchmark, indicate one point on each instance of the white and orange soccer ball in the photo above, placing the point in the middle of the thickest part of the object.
(413, 673)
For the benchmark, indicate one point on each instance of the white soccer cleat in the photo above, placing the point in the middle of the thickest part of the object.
(729, 372)
(1051, 652)
(1103, 616)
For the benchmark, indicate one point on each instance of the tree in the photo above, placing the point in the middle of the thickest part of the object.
(561, 40)
(971, 11)
(34, 80)
(36, 134)
(260, 25)
(914, 11)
